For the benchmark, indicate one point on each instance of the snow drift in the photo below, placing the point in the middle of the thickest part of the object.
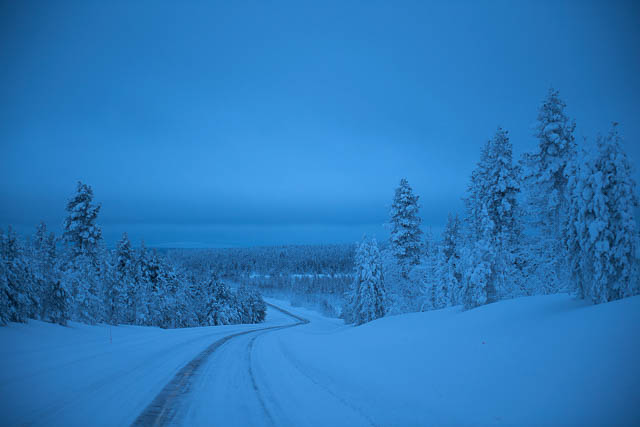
(528, 361)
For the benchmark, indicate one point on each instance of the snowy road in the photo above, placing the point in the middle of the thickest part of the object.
(176, 395)
(81, 374)
(249, 379)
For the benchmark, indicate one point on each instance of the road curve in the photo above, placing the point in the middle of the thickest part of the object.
(165, 406)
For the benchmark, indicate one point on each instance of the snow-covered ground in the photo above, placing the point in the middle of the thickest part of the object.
(528, 361)
(94, 375)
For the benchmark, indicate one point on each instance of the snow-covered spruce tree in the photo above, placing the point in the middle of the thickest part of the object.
(251, 306)
(121, 292)
(366, 301)
(54, 297)
(84, 282)
(58, 304)
(82, 267)
(156, 290)
(449, 285)
(600, 228)
(15, 303)
(479, 258)
(406, 236)
(492, 197)
(494, 187)
(171, 303)
(545, 177)
(142, 300)
(221, 308)
(423, 287)
(81, 233)
(396, 285)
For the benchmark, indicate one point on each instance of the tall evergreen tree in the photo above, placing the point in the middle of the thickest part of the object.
(15, 303)
(156, 289)
(142, 301)
(220, 308)
(44, 265)
(545, 170)
(494, 187)
(425, 285)
(58, 304)
(81, 233)
(479, 256)
(120, 295)
(406, 236)
(449, 267)
(545, 177)
(600, 228)
(84, 282)
(492, 198)
(367, 294)
(82, 269)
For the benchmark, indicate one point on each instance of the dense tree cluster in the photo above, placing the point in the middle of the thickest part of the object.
(600, 231)
(76, 278)
(561, 219)
(314, 276)
(240, 263)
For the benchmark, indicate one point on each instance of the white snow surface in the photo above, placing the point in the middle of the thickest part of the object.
(544, 360)
(76, 375)
(529, 361)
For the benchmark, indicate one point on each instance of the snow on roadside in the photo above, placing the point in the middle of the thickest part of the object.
(528, 361)
(97, 375)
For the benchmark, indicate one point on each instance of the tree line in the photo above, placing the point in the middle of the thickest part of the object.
(74, 277)
(559, 220)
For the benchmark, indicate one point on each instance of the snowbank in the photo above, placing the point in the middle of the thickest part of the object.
(528, 361)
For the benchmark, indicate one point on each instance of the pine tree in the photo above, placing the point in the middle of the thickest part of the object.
(494, 187)
(424, 288)
(406, 235)
(85, 283)
(44, 265)
(480, 265)
(82, 268)
(600, 228)
(143, 301)
(546, 167)
(120, 293)
(15, 304)
(545, 177)
(492, 198)
(220, 306)
(367, 294)
(58, 310)
(156, 288)
(81, 232)
(251, 306)
(449, 276)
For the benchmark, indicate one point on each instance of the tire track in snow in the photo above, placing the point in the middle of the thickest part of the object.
(254, 384)
(162, 410)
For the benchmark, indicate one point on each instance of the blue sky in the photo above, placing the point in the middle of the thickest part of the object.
(249, 123)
